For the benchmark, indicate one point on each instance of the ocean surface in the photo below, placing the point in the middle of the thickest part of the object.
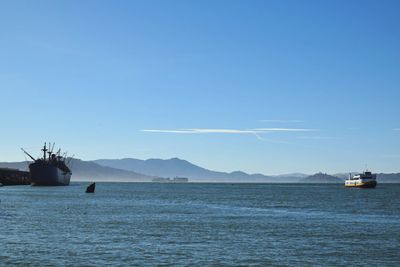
(147, 224)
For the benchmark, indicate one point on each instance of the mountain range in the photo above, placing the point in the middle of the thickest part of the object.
(177, 167)
(136, 170)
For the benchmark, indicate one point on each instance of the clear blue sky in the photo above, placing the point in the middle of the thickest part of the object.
(205, 81)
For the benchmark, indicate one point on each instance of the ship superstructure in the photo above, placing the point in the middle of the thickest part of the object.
(50, 170)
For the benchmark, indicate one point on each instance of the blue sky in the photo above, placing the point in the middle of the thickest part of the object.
(260, 86)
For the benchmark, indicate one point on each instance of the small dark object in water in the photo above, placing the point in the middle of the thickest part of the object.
(90, 188)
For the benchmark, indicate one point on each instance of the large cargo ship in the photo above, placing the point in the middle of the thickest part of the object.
(364, 180)
(51, 170)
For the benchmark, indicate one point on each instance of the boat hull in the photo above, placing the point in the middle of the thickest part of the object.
(43, 174)
(369, 184)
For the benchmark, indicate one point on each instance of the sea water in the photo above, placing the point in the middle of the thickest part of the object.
(147, 224)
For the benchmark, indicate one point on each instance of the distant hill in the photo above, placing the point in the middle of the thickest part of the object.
(135, 170)
(90, 171)
(87, 170)
(158, 167)
(321, 178)
(182, 168)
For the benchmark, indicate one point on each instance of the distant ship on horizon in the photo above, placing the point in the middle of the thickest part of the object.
(51, 170)
(169, 180)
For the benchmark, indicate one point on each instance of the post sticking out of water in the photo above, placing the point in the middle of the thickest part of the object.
(91, 188)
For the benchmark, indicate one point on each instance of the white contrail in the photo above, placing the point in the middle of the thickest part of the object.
(256, 132)
(167, 131)
(224, 131)
(200, 131)
(227, 131)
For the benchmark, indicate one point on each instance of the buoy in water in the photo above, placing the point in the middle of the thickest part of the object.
(90, 188)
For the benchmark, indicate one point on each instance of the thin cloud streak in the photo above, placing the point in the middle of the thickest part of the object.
(396, 129)
(284, 130)
(201, 131)
(167, 131)
(254, 132)
(227, 131)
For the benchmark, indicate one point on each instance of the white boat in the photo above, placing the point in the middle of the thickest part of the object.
(365, 180)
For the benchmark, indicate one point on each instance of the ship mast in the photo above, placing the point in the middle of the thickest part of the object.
(51, 148)
(44, 151)
(58, 154)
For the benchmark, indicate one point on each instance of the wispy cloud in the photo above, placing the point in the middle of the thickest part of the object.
(227, 131)
(265, 130)
(167, 131)
(205, 131)
(396, 129)
(282, 121)
(201, 131)
(255, 132)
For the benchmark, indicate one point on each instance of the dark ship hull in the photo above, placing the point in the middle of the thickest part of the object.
(44, 174)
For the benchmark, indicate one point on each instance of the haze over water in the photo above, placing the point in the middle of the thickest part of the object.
(199, 224)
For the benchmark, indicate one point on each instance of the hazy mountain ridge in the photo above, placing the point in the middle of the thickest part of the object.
(178, 167)
(135, 170)
(83, 170)
(321, 178)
